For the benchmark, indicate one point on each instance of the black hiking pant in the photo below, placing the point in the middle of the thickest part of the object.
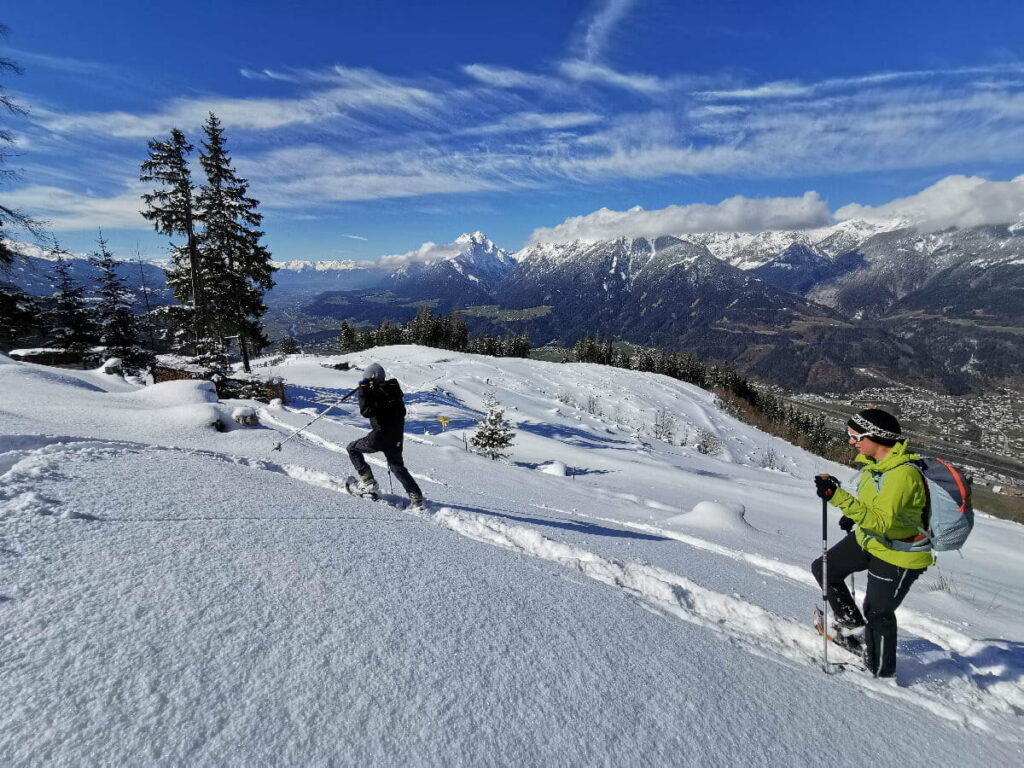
(887, 586)
(391, 447)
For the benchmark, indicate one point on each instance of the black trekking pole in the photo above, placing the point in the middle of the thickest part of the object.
(824, 584)
(277, 446)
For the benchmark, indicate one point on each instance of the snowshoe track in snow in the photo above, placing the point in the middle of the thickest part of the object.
(976, 686)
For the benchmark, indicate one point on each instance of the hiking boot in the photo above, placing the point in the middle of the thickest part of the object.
(367, 486)
(850, 638)
(849, 621)
(416, 503)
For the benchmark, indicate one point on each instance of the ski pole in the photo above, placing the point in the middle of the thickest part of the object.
(824, 583)
(277, 446)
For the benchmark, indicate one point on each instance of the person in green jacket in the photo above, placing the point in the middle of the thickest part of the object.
(889, 505)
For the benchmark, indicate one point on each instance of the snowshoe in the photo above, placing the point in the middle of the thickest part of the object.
(362, 490)
(850, 638)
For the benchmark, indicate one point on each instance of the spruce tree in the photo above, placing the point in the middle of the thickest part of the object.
(230, 245)
(116, 324)
(494, 433)
(69, 319)
(288, 346)
(348, 339)
(459, 331)
(171, 208)
(18, 313)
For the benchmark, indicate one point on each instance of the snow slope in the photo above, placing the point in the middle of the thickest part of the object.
(171, 594)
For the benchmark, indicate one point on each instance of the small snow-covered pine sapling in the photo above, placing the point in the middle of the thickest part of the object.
(494, 433)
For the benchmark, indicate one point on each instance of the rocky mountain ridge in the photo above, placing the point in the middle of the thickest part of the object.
(831, 308)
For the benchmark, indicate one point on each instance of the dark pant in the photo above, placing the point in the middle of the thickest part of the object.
(887, 586)
(391, 447)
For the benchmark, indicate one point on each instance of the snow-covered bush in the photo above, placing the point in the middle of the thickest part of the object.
(708, 442)
(769, 459)
(664, 427)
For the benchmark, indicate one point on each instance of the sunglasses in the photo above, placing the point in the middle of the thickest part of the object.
(855, 438)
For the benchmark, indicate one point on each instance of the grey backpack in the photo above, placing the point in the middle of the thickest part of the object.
(948, 515)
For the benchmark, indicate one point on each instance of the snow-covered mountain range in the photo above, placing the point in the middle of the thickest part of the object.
(803, 308)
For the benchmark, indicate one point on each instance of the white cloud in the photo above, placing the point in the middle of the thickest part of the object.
(736, 214)
(356, 237)
(427, 252)
(64, 211)
(955, 201)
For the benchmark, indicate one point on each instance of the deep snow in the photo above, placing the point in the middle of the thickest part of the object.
(171, 594)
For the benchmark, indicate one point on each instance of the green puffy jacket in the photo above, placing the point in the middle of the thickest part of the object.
(890, 501)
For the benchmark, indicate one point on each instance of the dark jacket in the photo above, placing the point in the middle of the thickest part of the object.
(382, 404)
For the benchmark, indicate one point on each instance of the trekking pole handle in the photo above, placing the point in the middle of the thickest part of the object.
(277, 446)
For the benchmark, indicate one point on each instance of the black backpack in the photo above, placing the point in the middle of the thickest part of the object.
(384, 404)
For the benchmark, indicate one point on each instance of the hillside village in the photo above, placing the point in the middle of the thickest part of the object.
(986, 426)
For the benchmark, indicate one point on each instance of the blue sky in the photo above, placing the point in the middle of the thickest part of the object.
(368, 128)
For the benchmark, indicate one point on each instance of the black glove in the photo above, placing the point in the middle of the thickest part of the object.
(825, 486)
(846, 523)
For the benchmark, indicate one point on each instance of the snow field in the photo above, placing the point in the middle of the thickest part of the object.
(176, 594)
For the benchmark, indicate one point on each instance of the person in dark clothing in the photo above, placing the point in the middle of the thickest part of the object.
(888, 503)
(380, 400)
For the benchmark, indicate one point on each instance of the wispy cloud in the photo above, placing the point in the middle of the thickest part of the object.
(736, 214)
(504, 77)
(355, 91)
(315, 176)
(61, 63)
(598, 26)
(589, 71)
(533, 121)
(788, 89)
(356, 237)
(64, 211)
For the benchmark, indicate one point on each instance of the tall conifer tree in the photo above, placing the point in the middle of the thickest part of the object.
(230, 243)
(171, 208)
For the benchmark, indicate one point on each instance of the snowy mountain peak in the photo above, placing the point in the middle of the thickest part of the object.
(476, 238)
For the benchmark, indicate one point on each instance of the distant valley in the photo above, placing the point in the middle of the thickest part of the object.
(832, 309)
